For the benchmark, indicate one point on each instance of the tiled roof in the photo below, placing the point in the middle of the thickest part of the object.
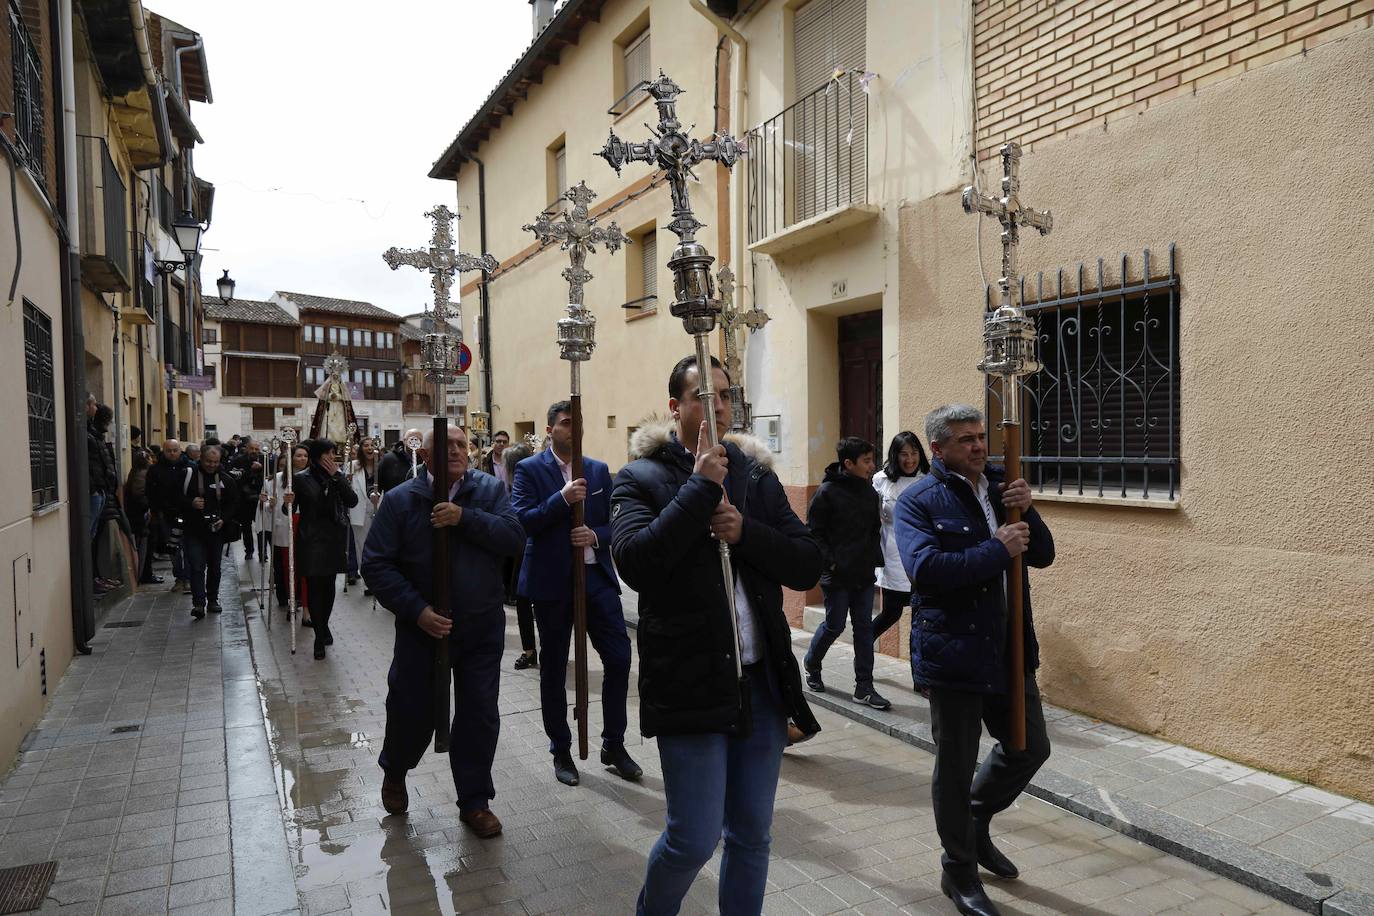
(410, 332)
(339, 306)
(248, 310)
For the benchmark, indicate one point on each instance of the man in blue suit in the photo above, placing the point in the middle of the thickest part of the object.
(543, 495)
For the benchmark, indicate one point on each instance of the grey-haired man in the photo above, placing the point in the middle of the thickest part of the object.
(956, 545)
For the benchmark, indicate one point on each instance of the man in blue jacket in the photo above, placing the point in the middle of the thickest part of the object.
(957, 547)
(543, 494)
(399, 565)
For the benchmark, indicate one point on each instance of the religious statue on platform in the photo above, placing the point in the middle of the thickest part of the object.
(334, 412)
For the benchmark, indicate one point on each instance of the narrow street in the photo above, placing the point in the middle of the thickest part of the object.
(853, 830)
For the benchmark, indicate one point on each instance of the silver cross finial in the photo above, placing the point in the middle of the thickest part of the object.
(1008, 211)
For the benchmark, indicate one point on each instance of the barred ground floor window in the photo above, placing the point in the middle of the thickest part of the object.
(1101, 418)
(42, 406)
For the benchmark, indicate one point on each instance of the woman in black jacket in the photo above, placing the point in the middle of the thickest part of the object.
(322, 497)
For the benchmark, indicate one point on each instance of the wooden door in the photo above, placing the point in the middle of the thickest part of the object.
(861, 378)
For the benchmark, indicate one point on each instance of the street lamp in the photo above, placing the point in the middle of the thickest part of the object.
(226, 288)
(187, 230)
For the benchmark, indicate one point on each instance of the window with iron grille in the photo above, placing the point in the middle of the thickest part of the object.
(1101, 418)
(28, 95)
(210, 335)
(42, 405)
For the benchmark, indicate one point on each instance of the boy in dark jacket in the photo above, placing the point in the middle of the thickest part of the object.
(844, 517)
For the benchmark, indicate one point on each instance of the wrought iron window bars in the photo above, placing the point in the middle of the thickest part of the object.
(1102, 416)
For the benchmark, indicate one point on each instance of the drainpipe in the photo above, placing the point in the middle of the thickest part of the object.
(738, 114)
(484, 315)
(73, 338)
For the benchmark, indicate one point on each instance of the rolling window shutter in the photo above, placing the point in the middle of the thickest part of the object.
(560, 171)
(648, 250)
(637, 61)
(827, 34)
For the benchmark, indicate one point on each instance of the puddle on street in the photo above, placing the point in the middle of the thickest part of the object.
(388, 860)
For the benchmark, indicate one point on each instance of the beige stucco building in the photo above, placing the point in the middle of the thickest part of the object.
(587, 59)
(1211, 587)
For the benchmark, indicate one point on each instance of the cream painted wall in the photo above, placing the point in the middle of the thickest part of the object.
(42, 538)
(627, 376)
(1243, 622)
(919, 143)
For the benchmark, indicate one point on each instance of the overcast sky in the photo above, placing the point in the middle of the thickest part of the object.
(327, 117)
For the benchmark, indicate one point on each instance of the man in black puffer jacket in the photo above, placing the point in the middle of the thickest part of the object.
(720, 740)
(844, 516)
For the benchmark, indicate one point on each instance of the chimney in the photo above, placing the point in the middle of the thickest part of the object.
(543, 14)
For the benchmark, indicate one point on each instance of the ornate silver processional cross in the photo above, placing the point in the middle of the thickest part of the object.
(733, 321)
(440, 348)
(1008, 335)
(694, 301)
(1009, 354)
(578, 235)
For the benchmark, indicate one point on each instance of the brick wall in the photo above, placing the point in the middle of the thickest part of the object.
(1048, 68)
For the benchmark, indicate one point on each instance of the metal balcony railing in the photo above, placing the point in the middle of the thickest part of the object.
(104, 221)
(28, 95)
(810, 158)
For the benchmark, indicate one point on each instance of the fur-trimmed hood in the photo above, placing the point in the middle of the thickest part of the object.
(655, 431)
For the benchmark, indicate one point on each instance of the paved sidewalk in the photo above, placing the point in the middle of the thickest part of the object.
(1306, 846)
(152, 749)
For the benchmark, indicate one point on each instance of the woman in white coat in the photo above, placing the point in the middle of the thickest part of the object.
(362, 473)
(906, 464)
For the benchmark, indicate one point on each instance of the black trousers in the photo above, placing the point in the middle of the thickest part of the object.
(319, 594)
(961, 795)
(475, 646)
(524, 608)
(894, 603)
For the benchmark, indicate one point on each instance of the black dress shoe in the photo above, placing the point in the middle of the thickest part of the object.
(526, 660)
(619, 759)
(151, 580)
(990, 857)
(564, 770)
(319, 649)
(968, 896)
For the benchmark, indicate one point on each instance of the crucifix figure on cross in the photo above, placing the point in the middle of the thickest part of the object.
(578, 235)
(1009, 355)
(694, 299)
(732, 321)
(440, 361)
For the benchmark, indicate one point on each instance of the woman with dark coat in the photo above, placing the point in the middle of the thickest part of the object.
(322, 497)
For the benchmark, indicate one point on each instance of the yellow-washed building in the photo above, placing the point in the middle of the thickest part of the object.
(1197, 435)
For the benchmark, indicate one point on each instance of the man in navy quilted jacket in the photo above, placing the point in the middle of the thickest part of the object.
(957, 548)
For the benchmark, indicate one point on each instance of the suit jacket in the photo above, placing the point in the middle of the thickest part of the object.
(546, 573)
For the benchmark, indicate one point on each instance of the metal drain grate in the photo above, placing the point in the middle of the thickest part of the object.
(123, 623)
(122, 729)
(23, 888)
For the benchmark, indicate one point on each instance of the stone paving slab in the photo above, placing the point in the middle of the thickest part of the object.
(853, 831)
(146, 756)
(1303, 845)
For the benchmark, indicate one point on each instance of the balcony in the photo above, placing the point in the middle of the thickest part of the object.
(808, 168)
(28, 96)
(104, 223)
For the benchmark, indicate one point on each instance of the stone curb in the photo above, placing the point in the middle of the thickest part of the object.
(1257, 869)
(264, 879)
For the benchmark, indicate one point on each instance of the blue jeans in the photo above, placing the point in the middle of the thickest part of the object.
(716, 784)
(203, 553)
(606, 633)
(97, 509)
(856, 604)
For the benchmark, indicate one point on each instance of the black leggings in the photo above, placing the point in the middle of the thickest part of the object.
(893, 605)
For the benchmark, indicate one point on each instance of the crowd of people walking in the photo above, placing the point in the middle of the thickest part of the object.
(928, 533)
